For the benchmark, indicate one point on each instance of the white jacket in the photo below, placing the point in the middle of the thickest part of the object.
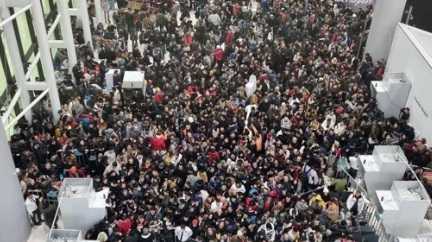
(329, 122)
(351, 201)
(270, 233)
(183, 234)
(30, 204)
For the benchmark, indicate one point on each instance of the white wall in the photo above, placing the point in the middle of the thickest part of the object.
(386, 15)
(409, 56)
(14, 226)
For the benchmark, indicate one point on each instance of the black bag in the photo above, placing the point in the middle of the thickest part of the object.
(354, 208)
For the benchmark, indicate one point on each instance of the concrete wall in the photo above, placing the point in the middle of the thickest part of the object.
(386, 15)
(14, 226)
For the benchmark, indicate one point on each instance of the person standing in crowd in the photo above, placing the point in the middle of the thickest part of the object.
(32, 206)
(49, 211)
(183, 233)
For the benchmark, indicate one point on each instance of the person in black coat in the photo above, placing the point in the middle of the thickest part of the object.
(146, 236)
(49, 210)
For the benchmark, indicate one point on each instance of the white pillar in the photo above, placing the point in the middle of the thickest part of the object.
(46, 59)
(100, 16)
(17, 64)
(14, 223)
(66, 28)
(386, 15)
(85, 20)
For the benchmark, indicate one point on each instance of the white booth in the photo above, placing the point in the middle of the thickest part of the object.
(133, 80)
(386, 164)
(80, 206)
(392, 94)
(403, 207)
(395, 209)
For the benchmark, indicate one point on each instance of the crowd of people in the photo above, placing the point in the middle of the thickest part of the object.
(247, 111)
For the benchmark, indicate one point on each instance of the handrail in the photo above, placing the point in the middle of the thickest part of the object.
(11, 106)
(53, 26)
(56, 216)
(26, 109)
(371, 209)
(355, 182)
(15, 15)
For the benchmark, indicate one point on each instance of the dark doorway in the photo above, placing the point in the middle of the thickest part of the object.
(421, 14)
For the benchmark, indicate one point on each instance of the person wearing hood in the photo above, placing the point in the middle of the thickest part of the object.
(267, 232)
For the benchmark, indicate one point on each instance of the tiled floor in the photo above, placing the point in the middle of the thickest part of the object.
(39, 234)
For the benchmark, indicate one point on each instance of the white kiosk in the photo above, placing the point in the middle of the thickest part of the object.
(134, 80)
(80, 206)
(396, 209)
(386, 164)
(403, 207)
(392, 94)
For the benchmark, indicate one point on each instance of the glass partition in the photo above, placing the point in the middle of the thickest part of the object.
(24, 32)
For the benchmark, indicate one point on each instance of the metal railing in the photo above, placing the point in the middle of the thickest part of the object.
(57, 231)
(374, 220)
(370, 212)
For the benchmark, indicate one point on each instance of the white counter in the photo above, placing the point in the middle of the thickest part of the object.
(387, 200)
(391, 212)
(133, 80)
(81, 207)
(369, 163)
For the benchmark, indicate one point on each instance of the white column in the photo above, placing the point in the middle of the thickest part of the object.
(386, 15)
(85, 20)
(46, 59)
(14, 223)
(17, 64)
(66, 28)
(100, 16)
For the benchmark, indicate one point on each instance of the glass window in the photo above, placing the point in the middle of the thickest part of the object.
(12, 71)
(24, 32)
(3, 82)
(46, 7)
(3, 86)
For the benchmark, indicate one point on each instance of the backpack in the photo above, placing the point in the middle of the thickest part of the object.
(305, 174)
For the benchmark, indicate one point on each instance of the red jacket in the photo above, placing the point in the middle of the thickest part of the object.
(191, 89)
(236, 8)
(229, 38)
(218, 54)
(187, 40)
(158, 97)
(213, 156)
(124, 226)
(250, 205)
(158, 143)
